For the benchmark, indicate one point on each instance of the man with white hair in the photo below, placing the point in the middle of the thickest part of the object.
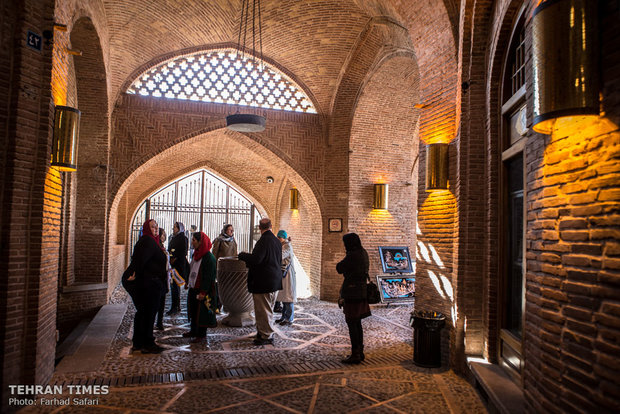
(264, 279)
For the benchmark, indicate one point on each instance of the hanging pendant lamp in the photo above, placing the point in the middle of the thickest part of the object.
(246, 122)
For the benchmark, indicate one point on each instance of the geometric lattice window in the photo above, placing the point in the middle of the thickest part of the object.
(222, 76)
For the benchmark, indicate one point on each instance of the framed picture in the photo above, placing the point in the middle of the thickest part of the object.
(334, 225)
(395, 259)
(396, 288)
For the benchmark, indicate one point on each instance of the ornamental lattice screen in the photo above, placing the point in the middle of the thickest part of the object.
(203, 200)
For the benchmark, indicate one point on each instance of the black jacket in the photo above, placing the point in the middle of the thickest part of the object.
(354, 268)
(178, 249)
(265, 273)
(149, 262)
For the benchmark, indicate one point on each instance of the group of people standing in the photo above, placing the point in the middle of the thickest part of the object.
(271, 279)
(148, 280)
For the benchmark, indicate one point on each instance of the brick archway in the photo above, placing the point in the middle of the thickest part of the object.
(242, 162)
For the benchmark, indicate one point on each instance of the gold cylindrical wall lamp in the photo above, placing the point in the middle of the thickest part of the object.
(293, 201)
(437, 167)
(565, 57)
(65, 140)
(380, 199)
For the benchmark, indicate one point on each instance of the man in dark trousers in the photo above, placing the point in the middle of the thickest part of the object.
(264, 279)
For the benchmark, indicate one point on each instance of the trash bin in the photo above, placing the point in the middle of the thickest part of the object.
(427, 337)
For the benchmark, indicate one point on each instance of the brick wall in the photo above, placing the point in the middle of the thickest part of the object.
(117, 263)
(572, 289)
(304, 227)
(383, 149)
(30, 202)
(91, 175)
(77, 303)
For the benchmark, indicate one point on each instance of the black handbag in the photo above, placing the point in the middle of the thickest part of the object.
(129, 285)
(372, 292)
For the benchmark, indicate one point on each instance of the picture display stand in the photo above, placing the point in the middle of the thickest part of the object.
(397, 286)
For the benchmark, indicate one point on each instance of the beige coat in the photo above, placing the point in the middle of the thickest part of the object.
(224, 248)
(289, 285)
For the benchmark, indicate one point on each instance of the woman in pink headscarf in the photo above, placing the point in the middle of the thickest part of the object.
(149, 264)
(202, 295)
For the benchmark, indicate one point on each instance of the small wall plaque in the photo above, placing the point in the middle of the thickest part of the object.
(334, 225)
(33, 40)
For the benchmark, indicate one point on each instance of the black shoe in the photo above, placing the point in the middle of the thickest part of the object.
(135, 348)
(160, 326)
(285, 323)
(172, 312)
(352, 359)
(154, 349)
(188, 335)
(279, 320)
(260, 341)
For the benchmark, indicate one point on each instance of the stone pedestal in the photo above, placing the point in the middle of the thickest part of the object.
(232, 276)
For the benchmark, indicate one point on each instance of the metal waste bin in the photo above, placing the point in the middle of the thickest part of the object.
(427, 337)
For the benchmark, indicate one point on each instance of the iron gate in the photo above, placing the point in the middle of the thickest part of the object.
(203, 200)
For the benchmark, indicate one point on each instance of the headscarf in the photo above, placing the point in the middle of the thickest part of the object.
(282, 234)
(146, 231)
(351, 242)
(225, 237)
(181, 227)
(205, 246)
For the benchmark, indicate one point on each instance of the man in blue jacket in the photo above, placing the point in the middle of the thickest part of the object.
(264, 279)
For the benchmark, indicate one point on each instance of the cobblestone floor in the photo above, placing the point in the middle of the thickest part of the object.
(300, 373)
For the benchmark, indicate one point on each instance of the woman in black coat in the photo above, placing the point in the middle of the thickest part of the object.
(177, 247)
(354, 268)
(149, 262)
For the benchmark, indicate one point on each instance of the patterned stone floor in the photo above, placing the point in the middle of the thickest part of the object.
(300, 373)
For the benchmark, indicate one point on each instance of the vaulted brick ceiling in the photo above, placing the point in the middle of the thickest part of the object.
(311, 39)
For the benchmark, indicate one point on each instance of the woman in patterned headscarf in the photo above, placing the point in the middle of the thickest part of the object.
(202, 295)
(149, 262)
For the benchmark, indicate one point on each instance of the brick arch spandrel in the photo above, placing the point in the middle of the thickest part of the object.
(383, 149)
(237, 158)
(143, 127)
(90, 179)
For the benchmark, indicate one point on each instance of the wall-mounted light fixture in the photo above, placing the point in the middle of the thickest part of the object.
(270, 179)
(380, 197)
(565, 57)
(293, 201)
(437, 167)
(65, 140)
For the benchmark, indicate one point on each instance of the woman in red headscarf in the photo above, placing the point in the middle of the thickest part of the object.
(202, 296)
(149, 263)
